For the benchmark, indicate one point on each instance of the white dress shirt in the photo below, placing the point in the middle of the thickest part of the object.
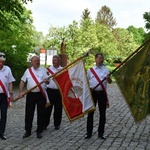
(102, 72)
(6, 77)
(52, 84)
(40, 74)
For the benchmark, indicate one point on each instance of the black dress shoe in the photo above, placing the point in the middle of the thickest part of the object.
(3, 137)
(102, 137)
(87, 136)
(44, 128)
(39, 135)
(57, 127)
(27, 134)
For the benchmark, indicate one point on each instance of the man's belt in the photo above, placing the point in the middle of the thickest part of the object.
(52, 89)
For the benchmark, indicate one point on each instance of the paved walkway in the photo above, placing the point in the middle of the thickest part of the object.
(121, 131)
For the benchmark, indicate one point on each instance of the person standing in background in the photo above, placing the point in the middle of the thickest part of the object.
(6, 87)
(54, 96)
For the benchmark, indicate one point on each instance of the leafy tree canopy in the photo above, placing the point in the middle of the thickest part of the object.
(14, 8)
(105, 17)
(17, 35)
(138, 34)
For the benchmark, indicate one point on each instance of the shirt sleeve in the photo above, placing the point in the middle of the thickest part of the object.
(10, 76)
(45, 72)
(88, 74)
(24, 77)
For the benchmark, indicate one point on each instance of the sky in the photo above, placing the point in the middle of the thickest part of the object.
(47, 13)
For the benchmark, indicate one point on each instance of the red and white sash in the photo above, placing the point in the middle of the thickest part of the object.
(102, 85)
(43, 91)
(50, 71)
(5, 90)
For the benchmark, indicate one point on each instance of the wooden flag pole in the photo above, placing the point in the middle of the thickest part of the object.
(123, 62)
(26, 92)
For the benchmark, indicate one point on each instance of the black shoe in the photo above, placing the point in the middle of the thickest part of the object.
(57, 127)
(27, 134)
(39, 135)
(88, 136)
(102, 137)
(44, 128)
(3, 137)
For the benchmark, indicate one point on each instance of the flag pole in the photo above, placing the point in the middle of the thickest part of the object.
(123, 62)
(53, 75)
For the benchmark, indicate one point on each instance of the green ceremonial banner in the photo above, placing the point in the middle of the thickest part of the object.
(133, 79)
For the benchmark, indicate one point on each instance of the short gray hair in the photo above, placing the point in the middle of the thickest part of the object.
(2, 56)
(56, 56)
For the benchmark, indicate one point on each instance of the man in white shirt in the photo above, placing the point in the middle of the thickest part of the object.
(54, 96)
(6, 87)
(96, 74)
(33, 76)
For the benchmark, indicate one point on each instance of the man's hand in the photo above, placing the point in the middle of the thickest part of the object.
(46, 81)
(108, 79)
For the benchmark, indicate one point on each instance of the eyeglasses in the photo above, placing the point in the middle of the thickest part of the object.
(2, 56)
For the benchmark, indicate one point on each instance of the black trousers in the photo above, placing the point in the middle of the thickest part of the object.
(56, 102)
(3, 112)
(101, 99)
(32, 100)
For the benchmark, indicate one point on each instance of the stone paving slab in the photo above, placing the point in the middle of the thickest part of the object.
(121, 131)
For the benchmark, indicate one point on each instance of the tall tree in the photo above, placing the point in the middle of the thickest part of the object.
(106, 43)
(73, 40)
(105, 17)
(146, 16)
(86, 14)
(87, 29)
(88, 38)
